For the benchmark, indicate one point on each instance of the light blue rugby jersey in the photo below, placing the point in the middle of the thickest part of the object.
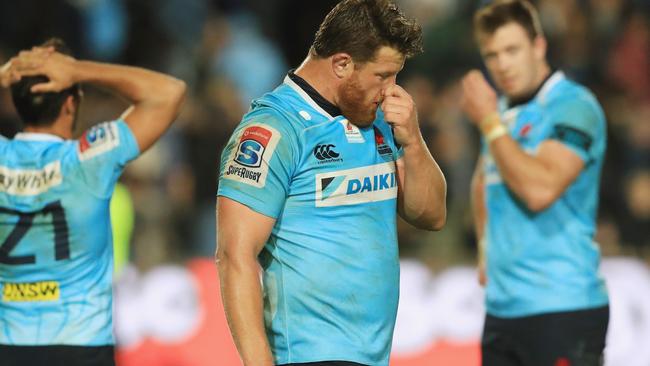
(56, 253)
(331, 268)
(547, 261)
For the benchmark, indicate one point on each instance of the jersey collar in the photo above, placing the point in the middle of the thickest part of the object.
(37, 136)
(311, 96)
(540, 93)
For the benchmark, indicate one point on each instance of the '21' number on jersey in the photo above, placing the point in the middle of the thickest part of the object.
(25, 221)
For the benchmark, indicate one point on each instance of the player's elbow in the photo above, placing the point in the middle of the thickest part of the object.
(438, 221)
(431, 221)
(171, 93)
(539, 199)
(229, 258)
(220, 257)
(177, 91)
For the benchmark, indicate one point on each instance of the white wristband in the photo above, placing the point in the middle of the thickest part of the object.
(495, 133)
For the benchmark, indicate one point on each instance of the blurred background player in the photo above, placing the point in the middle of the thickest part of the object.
(310, 186)
(535, 194)
(56, 255)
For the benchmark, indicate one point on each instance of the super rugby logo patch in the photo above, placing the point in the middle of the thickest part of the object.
(249, 161)
(98, 140)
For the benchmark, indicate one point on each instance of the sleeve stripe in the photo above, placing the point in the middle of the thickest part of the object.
(572, 136)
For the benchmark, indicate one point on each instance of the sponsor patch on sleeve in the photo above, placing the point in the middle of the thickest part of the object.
(248, 162)
(98, 140)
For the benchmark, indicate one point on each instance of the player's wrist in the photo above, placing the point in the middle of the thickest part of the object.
(414, 144)
(491, 127)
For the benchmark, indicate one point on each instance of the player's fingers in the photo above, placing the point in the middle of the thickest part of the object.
(26, 63)
(14, 77)
(30, 71)
(393, 108)
(392, 100)
(50, 86)
(395, 90)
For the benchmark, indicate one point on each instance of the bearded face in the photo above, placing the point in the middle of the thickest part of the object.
(356, 103)
(361, 94)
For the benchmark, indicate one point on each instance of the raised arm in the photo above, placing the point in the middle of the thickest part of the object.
(241, 235)
(537, 180)
(155, 98)
(422, 186)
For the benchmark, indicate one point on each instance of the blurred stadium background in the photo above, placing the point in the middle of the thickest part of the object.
(168, 311)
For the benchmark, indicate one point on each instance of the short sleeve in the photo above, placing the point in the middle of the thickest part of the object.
(577, 123)
(259, 161)
(103, 151)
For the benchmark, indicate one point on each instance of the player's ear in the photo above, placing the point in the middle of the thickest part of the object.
(342, 65)
(539, 47)
(69, 106)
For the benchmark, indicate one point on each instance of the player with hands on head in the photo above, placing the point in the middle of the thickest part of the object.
(56, 253)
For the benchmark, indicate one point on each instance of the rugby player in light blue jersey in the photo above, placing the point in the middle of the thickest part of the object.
(309, 189)
(535, 198)
(56, 253)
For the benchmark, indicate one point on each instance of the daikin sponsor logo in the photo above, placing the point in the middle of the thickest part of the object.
(354, 186)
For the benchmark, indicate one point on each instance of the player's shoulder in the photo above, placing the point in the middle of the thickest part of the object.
(277, 111)
(101, 138)
(294, 106)
(568, 92)
(572, 106)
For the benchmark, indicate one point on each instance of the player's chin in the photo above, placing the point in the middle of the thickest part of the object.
(366, 120)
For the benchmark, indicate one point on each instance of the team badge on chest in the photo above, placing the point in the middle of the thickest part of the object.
(382, 147)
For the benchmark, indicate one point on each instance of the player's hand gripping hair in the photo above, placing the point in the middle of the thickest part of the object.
(155, 98)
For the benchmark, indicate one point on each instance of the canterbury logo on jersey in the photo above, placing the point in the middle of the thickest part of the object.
(325, 153)
(31, 291)
(354, 186)
(29, 182)
(98, 140)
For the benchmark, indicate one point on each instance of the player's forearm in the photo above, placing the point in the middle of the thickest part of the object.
(524, 174)
(477, 202)
(242, 298)
(479, 213)
(137, 85)
(425, 189)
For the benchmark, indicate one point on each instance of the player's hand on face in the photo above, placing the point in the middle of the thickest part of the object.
(400, 112)
(58, 68)
(479, 98)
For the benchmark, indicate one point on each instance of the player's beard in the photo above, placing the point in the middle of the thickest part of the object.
(352, 103)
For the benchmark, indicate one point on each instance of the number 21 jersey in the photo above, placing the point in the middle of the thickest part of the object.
(56, 254)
